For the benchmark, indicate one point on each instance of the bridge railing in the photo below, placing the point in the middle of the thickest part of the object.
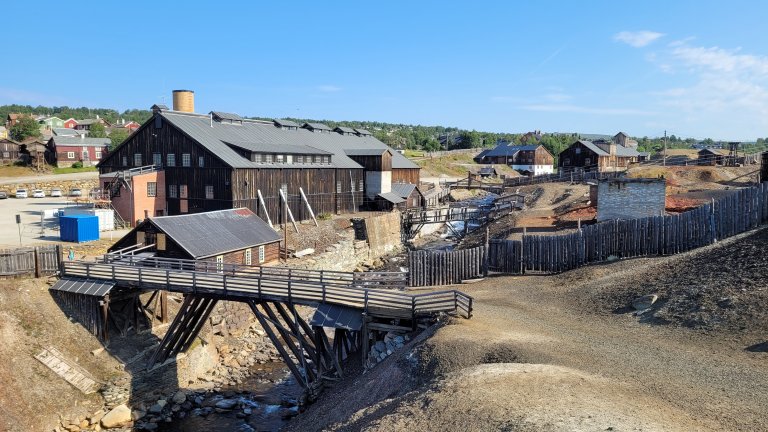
(309, 292)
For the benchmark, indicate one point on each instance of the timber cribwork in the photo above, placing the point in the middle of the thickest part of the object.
(412, 221)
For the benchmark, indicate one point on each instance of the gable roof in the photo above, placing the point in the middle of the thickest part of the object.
(214, 139)
(68, 132)
(286, 123)
(509, 150)
(77, 141)
(403, 189)
(366, 152)
(620, 150)
(213, 233)
(315, 126)
(284, 149)
(362, 132)
(392, 197)
(344, 130)
(716, 151)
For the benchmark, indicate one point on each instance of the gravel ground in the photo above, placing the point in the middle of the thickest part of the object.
(549, 353)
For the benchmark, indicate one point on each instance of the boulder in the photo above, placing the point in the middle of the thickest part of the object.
(226, 404)
(119, 416)
(644, 302)
(179, 397)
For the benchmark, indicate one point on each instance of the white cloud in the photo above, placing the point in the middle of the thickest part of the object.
(637, 39)
(327, 88)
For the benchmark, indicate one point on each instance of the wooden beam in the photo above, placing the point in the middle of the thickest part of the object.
(287, 335)
(288, 208)
(309, 207)
(301, 379)
(264, 207)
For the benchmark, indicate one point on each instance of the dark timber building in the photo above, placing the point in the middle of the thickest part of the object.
(222, 161)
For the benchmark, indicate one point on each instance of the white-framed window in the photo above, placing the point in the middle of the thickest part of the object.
(261, 254)
(125, 161)
(70, 155)
(248, 258)
(326, 159)
(577, 150)
(137, 159)
(299, 159)
(183, 191)
(220, 263)
(98, 155)
(279, 158)
(289, 159)
(151, 189)
(208, 192)
(85, 154)
(157, 159)
(267, 158)
(173, 191)
(186, 159)
(201, 161)
(362, 186)
(6, 155)
(171, 159)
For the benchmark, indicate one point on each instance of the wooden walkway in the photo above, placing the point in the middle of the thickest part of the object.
(292, 288)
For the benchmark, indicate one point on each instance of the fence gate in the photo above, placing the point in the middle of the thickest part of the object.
(505, 256)
(428, 268)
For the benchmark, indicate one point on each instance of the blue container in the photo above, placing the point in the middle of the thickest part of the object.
(79, 228)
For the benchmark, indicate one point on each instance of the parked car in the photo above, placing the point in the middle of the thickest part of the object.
(3, 194)
(21, 193)
(75, 192)
(38, 193)
(55, 192)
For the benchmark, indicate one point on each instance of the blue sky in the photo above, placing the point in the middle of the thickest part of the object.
(694, 68)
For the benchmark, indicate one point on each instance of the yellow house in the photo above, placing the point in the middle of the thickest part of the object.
(3, 132)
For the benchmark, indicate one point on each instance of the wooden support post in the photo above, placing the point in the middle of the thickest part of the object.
(300, 378)
(264, 207)
(288, 210)
(306, 202)
(292, 322)
(37, 262)
(105, 318)
(297, 351)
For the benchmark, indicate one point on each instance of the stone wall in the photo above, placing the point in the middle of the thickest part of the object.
(46, 186)
(630, 198)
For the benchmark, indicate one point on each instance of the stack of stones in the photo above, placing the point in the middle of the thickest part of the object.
(384, 348)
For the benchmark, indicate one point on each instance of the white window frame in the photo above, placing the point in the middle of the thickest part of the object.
(137, 159)
(183, 191)
(173, 191)
(201, 161)
(220, 263)
(170, 159)
(248, 257)
(186, 160)
(262, 256)
(208, 192)
(157, 159)
(98, 155)
(151, 189)
(70, 155)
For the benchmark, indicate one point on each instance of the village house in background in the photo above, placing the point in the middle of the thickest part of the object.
(66, 150)
(3, 132)
(70, 123)
(600, 155)
(49, 123)
(527, 159)
(9, 151)
(86, 124)
(222, 161)
(235, 236)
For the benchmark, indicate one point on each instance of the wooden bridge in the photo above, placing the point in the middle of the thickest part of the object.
(354, 313)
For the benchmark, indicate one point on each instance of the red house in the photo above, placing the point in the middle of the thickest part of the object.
(65, 150)
(70, 123)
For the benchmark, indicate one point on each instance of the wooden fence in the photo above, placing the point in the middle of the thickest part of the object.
(738, 212)
(427, 268)
(38, 260)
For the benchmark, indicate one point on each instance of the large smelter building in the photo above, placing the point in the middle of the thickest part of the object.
(221, 161)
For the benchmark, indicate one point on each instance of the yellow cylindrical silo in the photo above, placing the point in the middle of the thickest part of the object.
(184, 100)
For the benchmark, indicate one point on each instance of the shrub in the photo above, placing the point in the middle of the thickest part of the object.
(324, 216)
(77, 164)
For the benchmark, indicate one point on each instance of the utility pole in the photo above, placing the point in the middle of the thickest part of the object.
(665, 148)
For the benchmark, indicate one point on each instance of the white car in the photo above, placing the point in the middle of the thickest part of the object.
(55, 192)
(38, 193)
(21, 193)
(75, 192)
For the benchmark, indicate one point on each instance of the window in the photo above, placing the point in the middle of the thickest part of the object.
(137, 159)
(338, 187)
(85, 154)
(288, 159)
(261, 254)
(201, 161)
(125, 161)
(326, 159)
(186, 159)
(577, 150)
(171, 159)
(299, 159)
(151, 189)
(248, 257)
(208, 192)
(587, 161)
(279, 158)
(361, 186)
(173, 191)
(566, 161)
(160, 239)
(98, 155)
(183, 191)
(70, 155)
(6, 155)
(157, 159)
(220, 263)
(267, 158)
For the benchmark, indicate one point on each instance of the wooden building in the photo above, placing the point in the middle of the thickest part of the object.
(713, 156)
(9, 151)
(528, 159)
(66, 150)
(222, 161)
(602, 157)
(235, 236)
(410, 193)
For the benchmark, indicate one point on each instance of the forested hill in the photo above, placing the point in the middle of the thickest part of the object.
(65, 112)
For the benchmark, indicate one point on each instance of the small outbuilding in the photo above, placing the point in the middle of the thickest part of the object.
(410, 193)
(235, 236)
(630, 198)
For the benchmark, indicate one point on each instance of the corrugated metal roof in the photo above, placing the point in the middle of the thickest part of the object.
(344, 130)
(365, 152)
(403, 189)
(363, 132)
(198, 127)
(286, 123)
(77, 141)
(392, 197)
(620, 150)
(509, 150)
(69, 132)
(315, 126)
(334, 316)
(283, 149)
(98, 288)
(220, 115)
(213, 233)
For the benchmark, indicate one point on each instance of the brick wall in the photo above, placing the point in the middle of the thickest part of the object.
(630, 198)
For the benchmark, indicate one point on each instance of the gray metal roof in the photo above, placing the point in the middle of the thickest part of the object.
(208, 234)
(89, 121)
(509, 150)
(365, 152)
(198, 127)
(286, 123)
(315, 126)
(283, 149)
(344, 130)
(69, 132)
(98, 288)
(220, 115)
(334, 316)
(363, 132)
(403, 189)
(620, 150)
(77, 141)
(392, 197)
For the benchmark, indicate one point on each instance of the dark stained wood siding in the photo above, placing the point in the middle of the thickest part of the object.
(405, 175)
(374, 163)
(576, 156)
(9, 151)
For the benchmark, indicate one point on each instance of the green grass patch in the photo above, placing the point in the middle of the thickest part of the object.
(69, 170)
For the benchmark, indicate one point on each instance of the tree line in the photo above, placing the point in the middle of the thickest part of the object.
(79, 113)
